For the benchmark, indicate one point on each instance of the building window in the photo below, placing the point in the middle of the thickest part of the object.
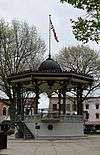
(54, 107)
(87, 106)
(97, 106)
(87, 115)
(68, 107)
(4, 111)
(27, 111)
(74, 107)
(97, 115)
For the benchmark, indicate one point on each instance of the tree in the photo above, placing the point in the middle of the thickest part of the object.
(88, 28)
(81, 60)
(21, 48)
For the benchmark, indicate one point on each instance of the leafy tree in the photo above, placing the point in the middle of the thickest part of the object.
(82, 60)
(79, 59)
(21, 48)
(88, 28)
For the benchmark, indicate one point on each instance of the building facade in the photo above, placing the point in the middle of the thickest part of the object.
(91, 110)
(4, 110)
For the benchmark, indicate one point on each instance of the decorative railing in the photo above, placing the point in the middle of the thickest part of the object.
(53, 117)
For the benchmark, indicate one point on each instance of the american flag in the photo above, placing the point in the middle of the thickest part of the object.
(53, 29)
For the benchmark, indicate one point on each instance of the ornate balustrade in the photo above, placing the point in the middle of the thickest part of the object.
(53, 117)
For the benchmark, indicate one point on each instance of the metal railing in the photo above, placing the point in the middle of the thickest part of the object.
(49, 114)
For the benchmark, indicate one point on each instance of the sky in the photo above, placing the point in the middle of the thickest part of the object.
(36, 12)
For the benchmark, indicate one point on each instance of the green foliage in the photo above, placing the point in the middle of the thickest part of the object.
(89, 5)
(88, 28)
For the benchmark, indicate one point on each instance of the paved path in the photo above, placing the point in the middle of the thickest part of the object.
(84, 146)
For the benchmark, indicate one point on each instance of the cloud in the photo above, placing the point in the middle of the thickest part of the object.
(36, 13)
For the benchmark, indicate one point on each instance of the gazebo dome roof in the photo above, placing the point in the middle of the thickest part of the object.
(49, 65)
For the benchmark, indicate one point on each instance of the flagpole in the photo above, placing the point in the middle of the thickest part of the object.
(49, 37)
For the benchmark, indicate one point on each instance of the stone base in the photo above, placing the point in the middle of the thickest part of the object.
(61, 129)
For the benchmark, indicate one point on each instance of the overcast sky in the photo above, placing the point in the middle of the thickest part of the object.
(36, 12)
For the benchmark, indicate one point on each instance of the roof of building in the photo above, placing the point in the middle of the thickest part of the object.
(49, 65)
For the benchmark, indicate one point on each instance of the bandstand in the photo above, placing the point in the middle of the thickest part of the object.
(50, 78)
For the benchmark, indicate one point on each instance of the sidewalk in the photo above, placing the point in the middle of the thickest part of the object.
(85, 146)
